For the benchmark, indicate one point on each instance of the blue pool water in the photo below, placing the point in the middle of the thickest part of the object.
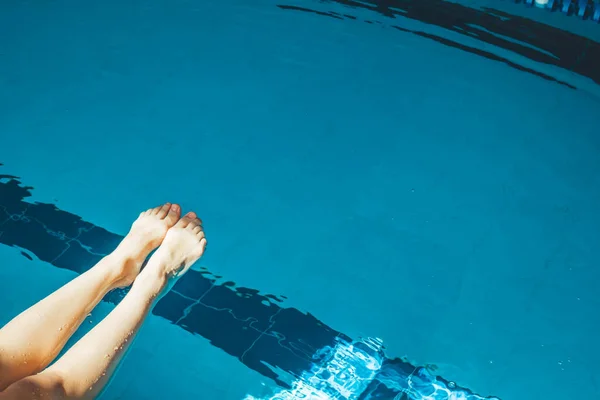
(401, 197)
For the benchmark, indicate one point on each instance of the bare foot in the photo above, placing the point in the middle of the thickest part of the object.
(183, 245)
(146, 234)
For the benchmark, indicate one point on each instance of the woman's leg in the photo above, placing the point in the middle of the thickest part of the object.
(30, 342)
(84, 370)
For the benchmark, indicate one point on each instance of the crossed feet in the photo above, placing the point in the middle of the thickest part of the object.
(181, 240)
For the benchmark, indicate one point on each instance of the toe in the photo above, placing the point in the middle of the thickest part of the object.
(173, 213)
(187, 218)
(155, 210)
(196, 222)
(162, 211)
(202, 246)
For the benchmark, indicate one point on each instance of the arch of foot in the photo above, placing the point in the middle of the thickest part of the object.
(584, 9)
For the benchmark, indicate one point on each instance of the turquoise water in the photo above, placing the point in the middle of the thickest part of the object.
(424, 173)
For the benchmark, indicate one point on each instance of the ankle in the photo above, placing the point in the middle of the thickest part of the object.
(151, 281)
(117, 265)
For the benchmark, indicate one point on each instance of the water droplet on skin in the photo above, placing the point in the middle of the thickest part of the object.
(60, 329)
(116, 348)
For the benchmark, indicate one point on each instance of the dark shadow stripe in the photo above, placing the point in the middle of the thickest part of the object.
(485, 54)
(538, 42)
(323, 13)
(253, 327)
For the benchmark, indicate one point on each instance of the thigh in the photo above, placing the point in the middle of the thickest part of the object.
(40, 386)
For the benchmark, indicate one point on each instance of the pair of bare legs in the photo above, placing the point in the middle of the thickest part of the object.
(33, 339)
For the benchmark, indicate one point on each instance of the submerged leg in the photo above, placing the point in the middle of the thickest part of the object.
(84, 370)
(30, 342)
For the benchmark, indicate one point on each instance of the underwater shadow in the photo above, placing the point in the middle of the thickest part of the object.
(253, 327)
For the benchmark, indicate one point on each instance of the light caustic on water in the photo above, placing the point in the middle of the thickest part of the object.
(360, 371)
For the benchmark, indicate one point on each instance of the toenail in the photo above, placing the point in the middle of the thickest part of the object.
(174, 207)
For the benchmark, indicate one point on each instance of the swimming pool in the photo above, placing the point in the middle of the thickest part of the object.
(420, 172)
